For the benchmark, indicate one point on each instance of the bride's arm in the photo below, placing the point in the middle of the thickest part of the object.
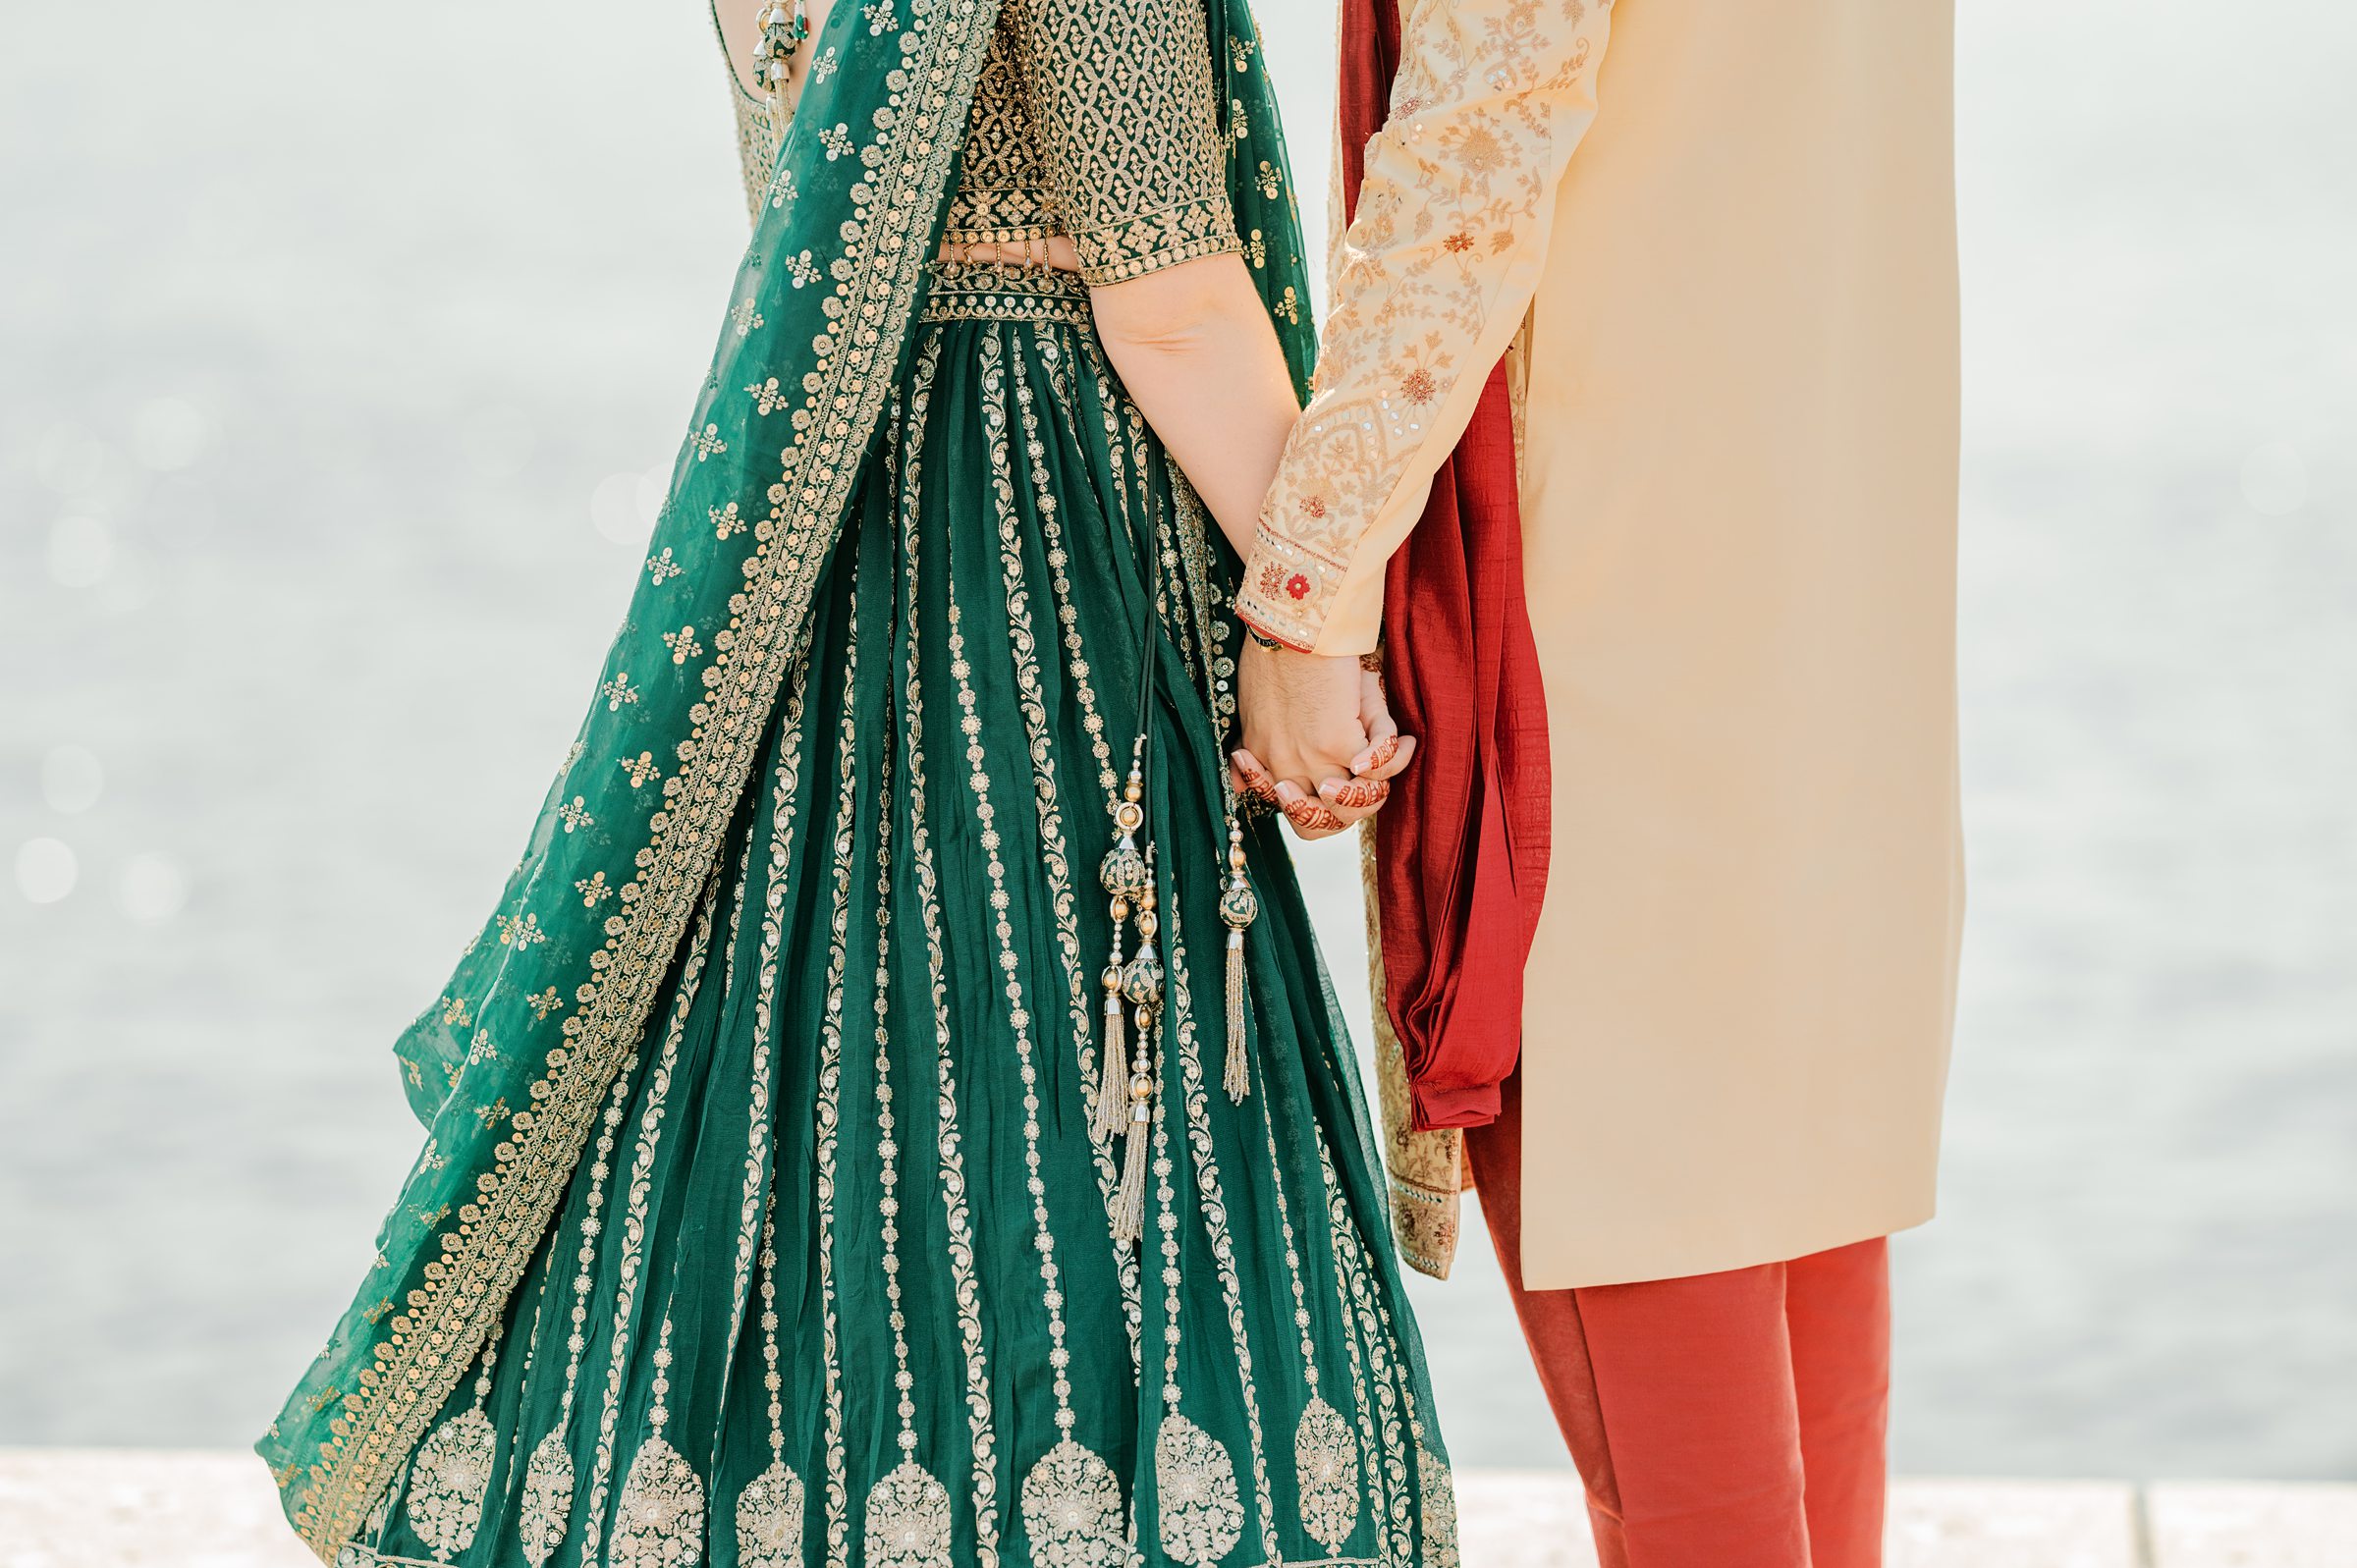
(1194, 346)
(1125, 106)
(1124, 111)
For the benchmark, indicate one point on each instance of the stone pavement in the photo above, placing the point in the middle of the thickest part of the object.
(127, 1508)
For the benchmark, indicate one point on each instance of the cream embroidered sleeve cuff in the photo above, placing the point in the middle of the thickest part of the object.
(1436, 275)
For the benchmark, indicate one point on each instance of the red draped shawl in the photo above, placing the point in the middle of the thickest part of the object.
(1462, 847)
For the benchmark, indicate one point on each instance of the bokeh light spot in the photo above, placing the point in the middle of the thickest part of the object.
(46, 869)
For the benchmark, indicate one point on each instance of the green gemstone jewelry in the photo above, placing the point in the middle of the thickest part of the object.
(785, 27)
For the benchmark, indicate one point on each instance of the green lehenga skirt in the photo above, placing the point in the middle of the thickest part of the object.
(836, 1282)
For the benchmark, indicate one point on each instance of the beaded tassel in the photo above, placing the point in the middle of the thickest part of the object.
(1127, 882)
(1239, 906)
(1111, 1112)
(1141, 984)
(784, 26)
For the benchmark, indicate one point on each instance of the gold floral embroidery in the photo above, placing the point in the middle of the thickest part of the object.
(907, 1520)
(1213, 1212)
(521, 930)
(547, 1499)
(1429, 284)
(1071, 1502)
(447, 1485)
(983, 291)
(1436, 1492)
(659, 1519)
(1072, 1511)
(630, 1255)
(1326, 1472)
(1381, 1377)
(830, 1093)
(949, 1148)
(769, 1520)
(1200, 1515)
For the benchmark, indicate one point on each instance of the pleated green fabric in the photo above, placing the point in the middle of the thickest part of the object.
(838, 1283)
(762, 1219)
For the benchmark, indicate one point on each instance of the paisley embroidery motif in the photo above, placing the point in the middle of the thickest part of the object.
(1436, 1493)
(659, 1522)
(1326, 1469)
(1072, 1511)
(769, 1520)
(908, 1520)
(547, 1499)
(1202, 1516)
(452, 1475)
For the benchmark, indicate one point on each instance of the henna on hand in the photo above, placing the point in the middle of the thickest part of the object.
(1356, 794)
(1313, 817)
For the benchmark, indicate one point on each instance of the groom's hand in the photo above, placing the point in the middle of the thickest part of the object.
(1318, 738)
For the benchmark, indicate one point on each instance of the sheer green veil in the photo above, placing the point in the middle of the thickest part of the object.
(508, 1066)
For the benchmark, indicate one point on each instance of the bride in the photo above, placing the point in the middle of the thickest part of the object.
(896, 1113)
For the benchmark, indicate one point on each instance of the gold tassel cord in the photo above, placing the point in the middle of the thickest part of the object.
(1141, 984)
(1113, 1081)
(1126, 881)
(1239, 906)
(1129, 1203)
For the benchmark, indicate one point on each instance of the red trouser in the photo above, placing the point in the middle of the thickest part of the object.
(1726, 1421)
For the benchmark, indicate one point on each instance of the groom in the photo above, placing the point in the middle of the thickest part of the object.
(1639, 391)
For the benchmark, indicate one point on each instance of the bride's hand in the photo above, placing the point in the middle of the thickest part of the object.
(1318, 738)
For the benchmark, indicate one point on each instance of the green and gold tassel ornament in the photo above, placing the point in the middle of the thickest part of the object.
(1239, 906)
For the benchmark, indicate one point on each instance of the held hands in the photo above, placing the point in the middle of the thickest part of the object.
(1319, 742)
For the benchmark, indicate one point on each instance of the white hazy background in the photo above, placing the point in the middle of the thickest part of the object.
(343, 350)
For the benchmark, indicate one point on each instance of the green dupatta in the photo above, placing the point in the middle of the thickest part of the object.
(508, 1067)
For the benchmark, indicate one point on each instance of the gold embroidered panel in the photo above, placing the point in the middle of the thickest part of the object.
(1002, 197)
(1098, 119)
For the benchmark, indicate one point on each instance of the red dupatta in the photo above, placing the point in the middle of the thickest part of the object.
(1462, 847)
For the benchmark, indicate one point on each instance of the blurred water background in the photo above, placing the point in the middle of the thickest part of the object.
(343, 350)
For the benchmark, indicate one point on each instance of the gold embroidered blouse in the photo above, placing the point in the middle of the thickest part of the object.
(1094, 120)
(1430, 286)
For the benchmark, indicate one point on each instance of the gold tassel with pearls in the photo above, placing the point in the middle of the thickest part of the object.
(1141, 984)
(785, 27)
(1239, 906)
(1126, 881)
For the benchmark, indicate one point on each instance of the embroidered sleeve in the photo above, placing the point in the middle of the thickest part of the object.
(1121, 101)
(1434, 277)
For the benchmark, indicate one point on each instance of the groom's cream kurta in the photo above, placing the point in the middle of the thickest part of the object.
(1723, 234)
